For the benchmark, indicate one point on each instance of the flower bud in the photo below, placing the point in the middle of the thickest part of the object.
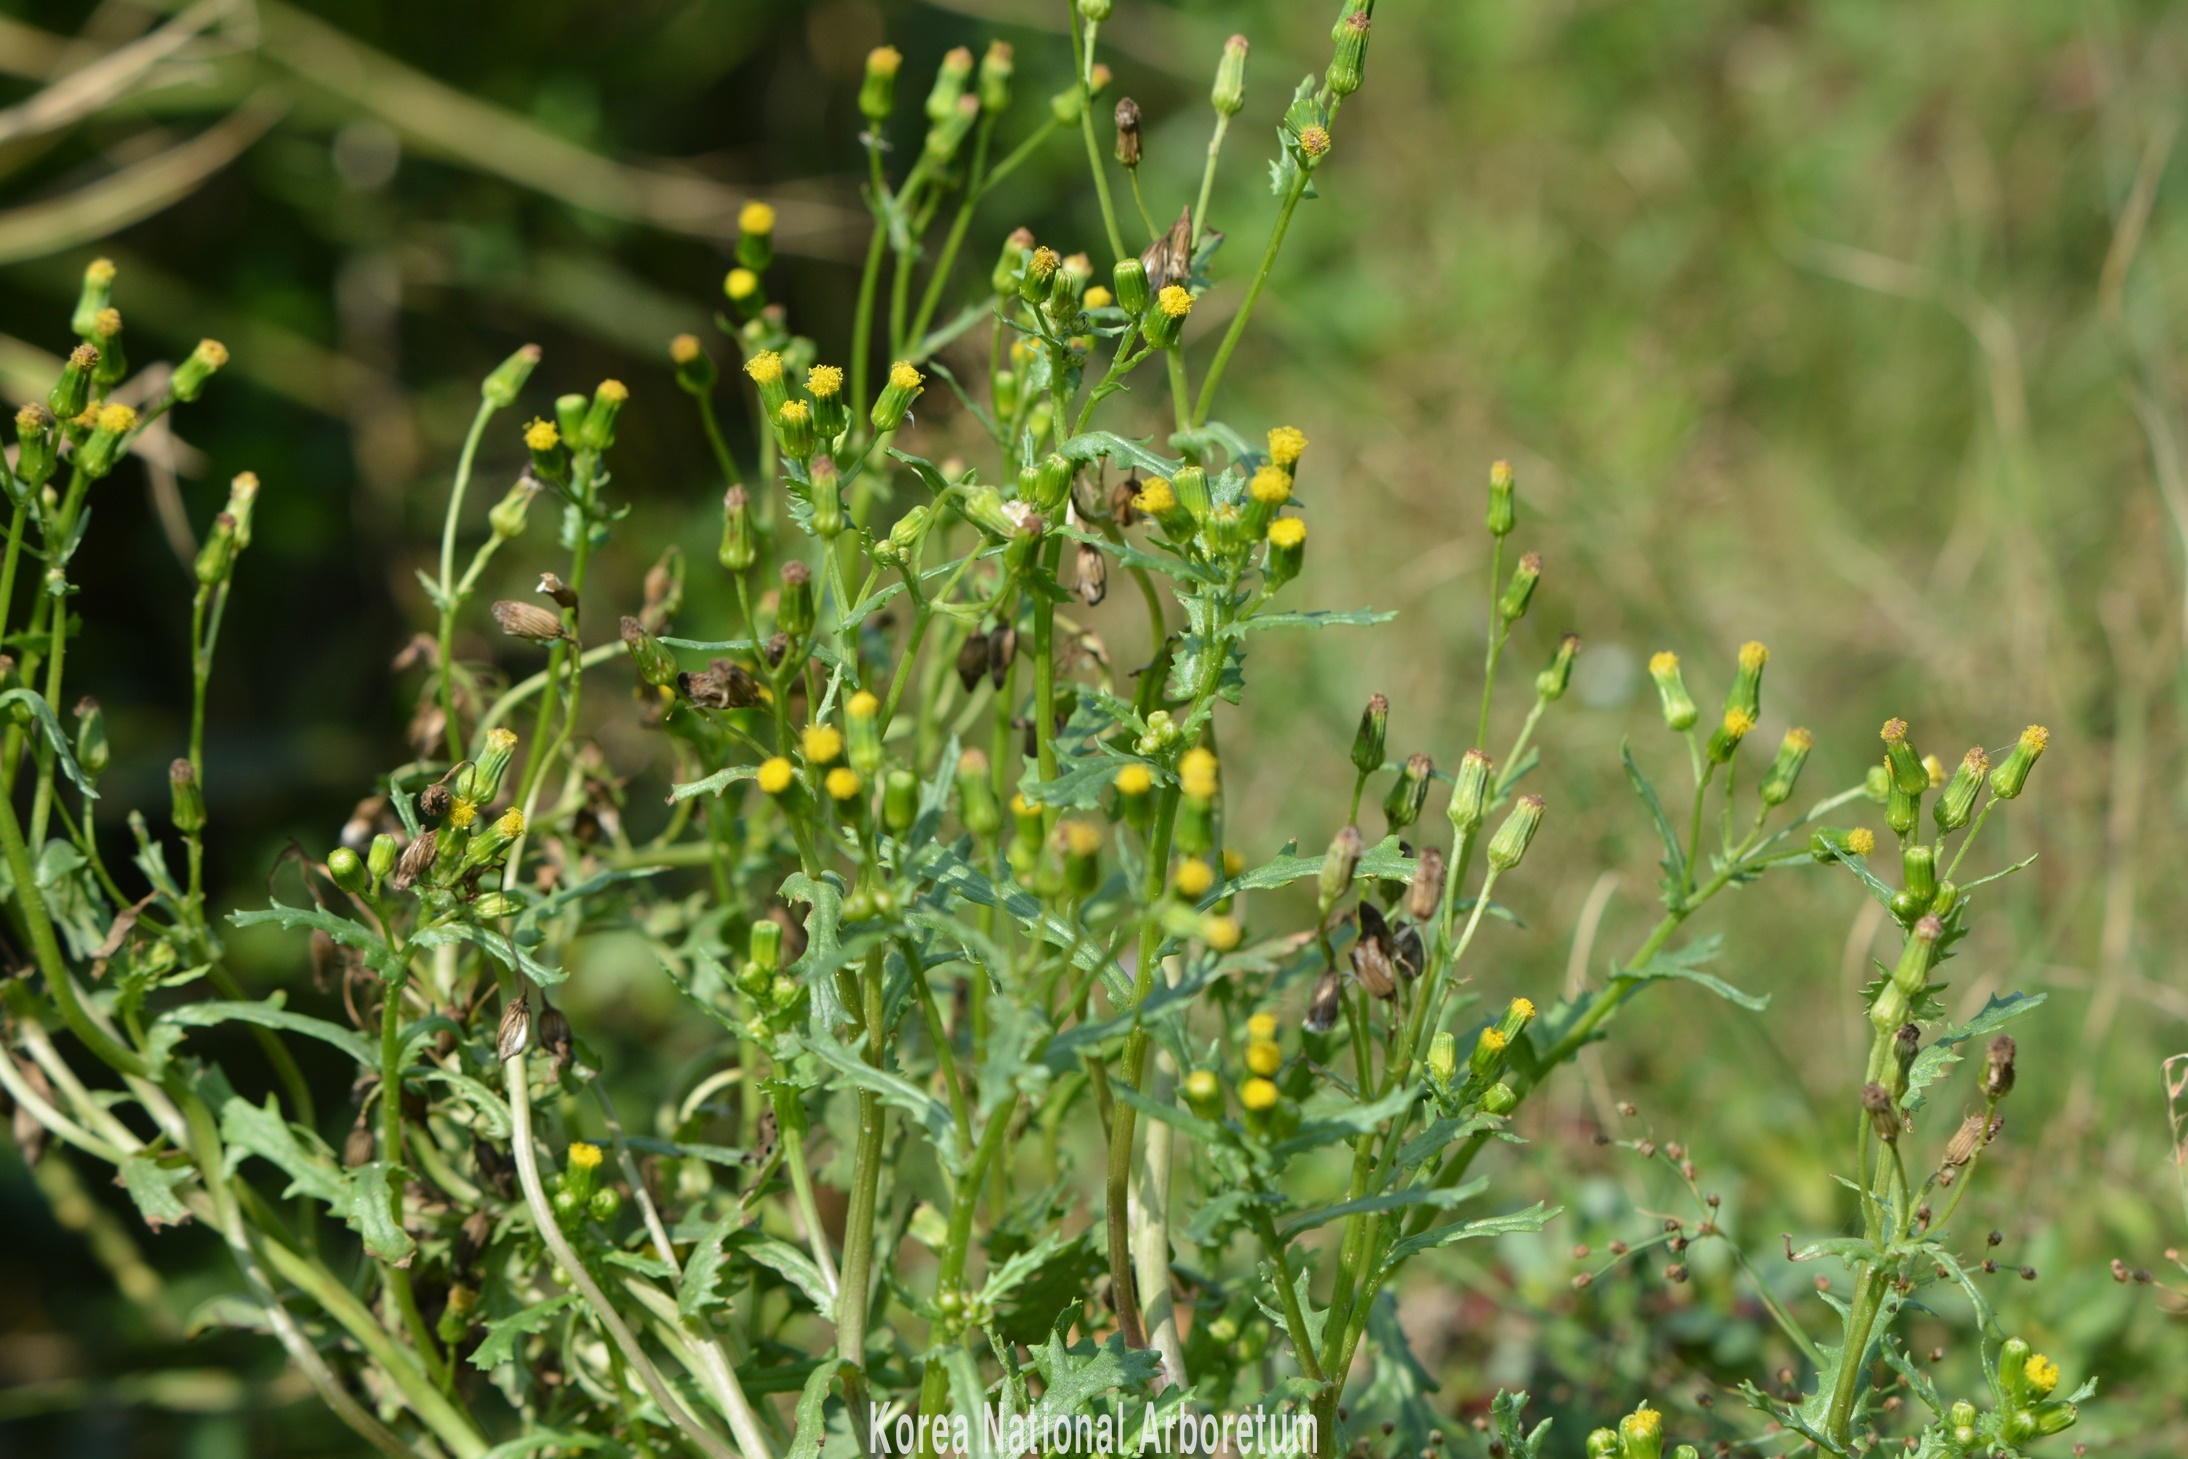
(1857, 841)
(1725, 739)
(1918, 872)
(1408, 793)
(899, 801)
(1785, 771)
(201, 365)
(1513, 605)
(1228, 95)
(795, 432)
(1129, 281)
(508, 516)
(216, 558)
(348, 871)
(1286, 551)
(1425, 891)
(1367, 740)
(1343, 76)
(1204, 1094)
(1082, 848)
(1197, 774)
(500, 387)
(877, 92)
(1551, 683)
(2014, 1358)
(106, 334)
(1901, 760)
(37, 452)
(2012, 772)
(72, 392)
(949, 83)
(186, 800)
(1746, 694)
(1671, 689)
(895, 402)
(1164, 321)
(1470, 792)
(1957, 804)
(380, 859)
(996, 68)
(976, 805)
(1338, 864)
(756, 236)
(1642, 1434)
(92, 752)
(737, 551)
(482, 780)
(1488, 1055)
(794, 611)
(1512, 838)
(1603, 1444)
(93, 297)
(111, 428)
(1901, 808)
(947, 135)
(656, 665)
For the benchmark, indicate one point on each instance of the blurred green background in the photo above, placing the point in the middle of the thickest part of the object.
(1849, 326)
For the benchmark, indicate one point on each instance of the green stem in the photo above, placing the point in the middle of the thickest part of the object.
(858, 1227)
(449, 604)
(391, 1151)
(1222, 361)
(1082, 53)
(1208, 178)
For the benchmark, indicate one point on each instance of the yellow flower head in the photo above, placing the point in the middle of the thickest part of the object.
(1194, 877)
(584, 1155)
(1082, 838)
(1522, 1009)
(1314, 141)
(741, 284)
(1894, 732)
(863, 705)
(842, 783)
(1201, 1086)
(1020, 806)
(755, 218)
(83, 357)
(463, 813)
(765, 368)
(2034, 738)
(1663, 662)
(615, 392)
(1861, 840)
(1287, 532)
(1642, 1423)
(1752, 657)
(884, 60)
(821, 743)
(1234, 861)
(1286, 445)
(1197, 773)
(1800, 739)
(1156, 497)
(511, 823)
(1261, 1026)
(1174, 301)
(117, 420)
(1258, 1095)
(1264, 1057)
(824, 382)
(107, 323)
(794, 412)
(1098, 297)
(1493, 1040)
(1271, 486)
(1737, 723)
(904, 377)
(1134, 780)
(1220, 933)
(684, 348)
(501, 739)
(2042, 1374)
(775, 775)
(212, 352)
(541, 435)
(99, 271)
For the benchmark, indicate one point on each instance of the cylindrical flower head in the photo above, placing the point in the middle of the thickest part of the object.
(1642, 1434)
(528, 621)
(106, 333)
(1488, 1055)
(216, 558)
(479, 783)
(1503, 510)
(1521, 589)
(831, 414)
(543, 439)
(72, 392)
(895, 401)
(1367, 740)
(1408, 793)
(1003, 279)
(1470, 792)
(1350, 58)
(186, 799)
(206, 361)
(1513, 837)
(1338, 864)
(1164, 322)
(1204, 1094)
(948, 134)
(1915, 957)
(1901, 808)
(347, 870)
(1918, 872)
(507, 516)
(899, 801)
(695, 373)
(1551, 683)
(96, 293)
(1854, 841)
(598, 432)
(738, 551)
(2012, 772)
(1785, 770)
(1191, 487)
(1037, 281)
(877, 91)
(862, 716)
(1287, 550)
(92, 751)
(795, 431)
(37, 455)
(1194, 833)
(1746, 693)
(765, 370)
(1128, 280)
(1725, 739)
(655, 664)
(1268, 490)
(1443, 1058)
(756, 236)
(1957, 804)
(1517, 1015)
(1052, 482)
(570, 417)
(501, 386)
(1135, 795)
(1902, 760)
(487, 846)
(1603, 1444)
(1128, 131)
(112, 426)
(380, 859)
(976, 805)
(1082, 847)
(1425, 891)
(1228, 95)
(242, 500)
(794, 605)
(949, 83)
(1671, 690)
(996, 67)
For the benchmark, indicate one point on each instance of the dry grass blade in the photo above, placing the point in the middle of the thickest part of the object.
(111, 77)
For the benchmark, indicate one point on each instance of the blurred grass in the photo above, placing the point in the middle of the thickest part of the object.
(1847, 326)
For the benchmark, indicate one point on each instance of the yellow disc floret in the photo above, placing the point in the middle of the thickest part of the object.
(821, 743)
(741, 284)
(1261, 1026)
(1258, 1095)
(613, 391)
(511, 823)
(463, 814)
(1234, 861)
(117, 420)
(1737, 723)
(1271, 486)
(1861, 841)
(1194, 877)
(1174, 301)
(904, 377)
(756, 217)
(541, 435)
(1197, 773)
(1663, 662)
(1286, 445)
(1134, 780)
(1493, 1040)
(1098, 297)
(1220, 933)
(2034, 738)
(1082, 838)
(1287, 531)
(842, 783)
(1264, 1057)
(584, 1155)
(775, 775)
(107, 323)
(2042, 1374)
(765, 368)
(1522, 1009)
(794, 412)
(1156, 497)
(824, 382)
(684, 348)
(1752, 657)
(863, 705)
